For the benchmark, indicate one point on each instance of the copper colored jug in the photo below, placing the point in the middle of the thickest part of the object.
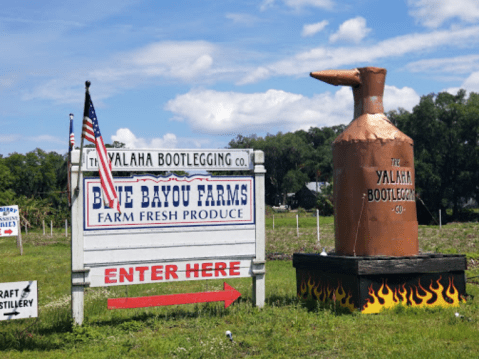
(374, 194)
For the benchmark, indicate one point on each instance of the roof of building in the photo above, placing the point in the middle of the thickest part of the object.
(312, 186)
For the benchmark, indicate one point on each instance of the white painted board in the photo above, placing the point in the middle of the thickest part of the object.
(157, 202)
(9, 221)
(18, 300)
(161, 271)
(169, 245)
(172, 160)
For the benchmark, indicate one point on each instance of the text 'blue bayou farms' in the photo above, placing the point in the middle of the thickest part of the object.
(148, 202)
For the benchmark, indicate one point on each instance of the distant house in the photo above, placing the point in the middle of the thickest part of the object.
(307, 196)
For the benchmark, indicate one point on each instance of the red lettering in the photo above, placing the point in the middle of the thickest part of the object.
(126, 275)
(156, 272)
(195, 270)
(142, 271)
(171, 270)
(205, 269)
(234, 268)
(110, 274)
(220, 268)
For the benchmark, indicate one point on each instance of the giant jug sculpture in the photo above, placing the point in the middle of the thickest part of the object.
(374, 195)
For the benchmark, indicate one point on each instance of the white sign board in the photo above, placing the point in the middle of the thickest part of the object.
(18, 300)
(149, 202)
(170, 160)
(9, 221)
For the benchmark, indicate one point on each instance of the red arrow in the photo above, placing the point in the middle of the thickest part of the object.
(8, 231)
(228, 295)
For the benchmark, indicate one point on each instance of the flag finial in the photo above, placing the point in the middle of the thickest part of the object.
(87, 84)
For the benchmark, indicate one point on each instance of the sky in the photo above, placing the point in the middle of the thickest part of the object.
(195, 74)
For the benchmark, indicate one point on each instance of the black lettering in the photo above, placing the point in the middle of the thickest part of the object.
(370, 195)
(386, 177)
(384, 195)
(380, 176)
(117, 159)
(133, 159)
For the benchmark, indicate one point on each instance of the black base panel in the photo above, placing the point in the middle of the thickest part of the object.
(370, 284)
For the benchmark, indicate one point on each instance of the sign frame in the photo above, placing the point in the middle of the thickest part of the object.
(250, 263)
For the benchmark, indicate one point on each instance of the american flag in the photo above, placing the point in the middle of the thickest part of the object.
(71, 144)
(91, 132)
(72, 135)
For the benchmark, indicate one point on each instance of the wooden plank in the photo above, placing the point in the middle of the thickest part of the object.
(412, 265)
(258, 264)
(429, 263)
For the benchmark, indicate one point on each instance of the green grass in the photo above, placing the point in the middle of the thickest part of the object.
(284, 328)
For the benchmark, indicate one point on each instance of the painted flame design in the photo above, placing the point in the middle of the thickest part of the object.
(324, 292)
(434, 296)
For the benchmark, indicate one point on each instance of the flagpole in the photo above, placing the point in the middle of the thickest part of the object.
(69, 164)
(87, 90)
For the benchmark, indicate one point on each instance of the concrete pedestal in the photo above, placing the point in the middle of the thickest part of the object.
(369, 284)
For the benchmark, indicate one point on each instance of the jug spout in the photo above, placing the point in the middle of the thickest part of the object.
(367, 84)
(338, 77)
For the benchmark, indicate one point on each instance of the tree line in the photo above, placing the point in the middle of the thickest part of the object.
(444, 127)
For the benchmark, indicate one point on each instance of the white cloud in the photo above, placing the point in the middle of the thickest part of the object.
(229, 113)
(257, 75)
(329, 57)
(127, 137)
(395, 98)
(446, 66)
(470, 84)
(352, 30)
(432, 13)
(183, 60)
(311, 29)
